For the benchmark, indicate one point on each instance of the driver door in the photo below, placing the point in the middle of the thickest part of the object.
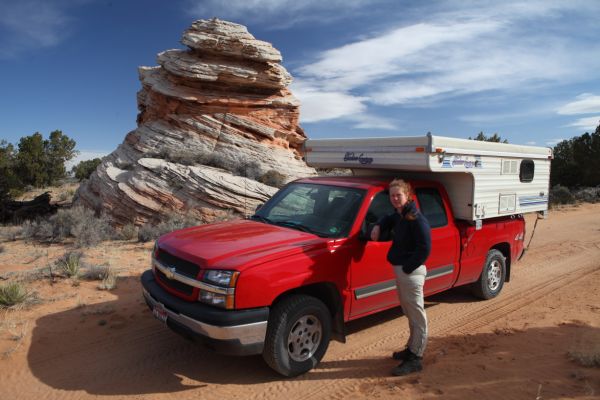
(372, 279)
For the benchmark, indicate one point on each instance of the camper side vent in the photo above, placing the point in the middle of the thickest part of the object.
(509, 167)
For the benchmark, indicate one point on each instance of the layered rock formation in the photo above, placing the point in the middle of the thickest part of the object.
(215, 121)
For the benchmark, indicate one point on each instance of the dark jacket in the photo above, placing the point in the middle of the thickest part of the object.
(411, 243)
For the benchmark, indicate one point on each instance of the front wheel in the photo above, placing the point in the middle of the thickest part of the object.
(298, 335)
(492, 277)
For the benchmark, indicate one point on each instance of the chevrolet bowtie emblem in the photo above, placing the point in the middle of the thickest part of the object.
(170, 273)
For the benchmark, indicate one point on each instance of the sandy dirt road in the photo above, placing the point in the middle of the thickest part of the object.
(529, 343)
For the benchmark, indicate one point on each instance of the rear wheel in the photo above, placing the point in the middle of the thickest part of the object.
(298, 335)
(492, 277)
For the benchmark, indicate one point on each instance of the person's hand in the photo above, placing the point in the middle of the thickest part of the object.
(375, 233)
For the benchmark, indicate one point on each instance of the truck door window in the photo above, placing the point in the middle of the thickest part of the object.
(432, 207)
(380, 207)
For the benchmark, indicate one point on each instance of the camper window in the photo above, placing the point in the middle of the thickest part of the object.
(526, 171)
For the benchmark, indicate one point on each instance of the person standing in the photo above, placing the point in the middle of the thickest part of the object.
(411, 245)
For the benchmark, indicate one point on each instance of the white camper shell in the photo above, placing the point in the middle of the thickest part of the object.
(483, 179)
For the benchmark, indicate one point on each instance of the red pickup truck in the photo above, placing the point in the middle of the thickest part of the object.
(283, 282)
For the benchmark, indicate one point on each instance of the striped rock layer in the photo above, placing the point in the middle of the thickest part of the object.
(213, 119)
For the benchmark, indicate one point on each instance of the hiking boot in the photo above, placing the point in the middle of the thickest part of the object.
(402, 355)
(408, 367)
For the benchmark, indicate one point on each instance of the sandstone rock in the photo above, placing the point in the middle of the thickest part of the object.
(212, 119)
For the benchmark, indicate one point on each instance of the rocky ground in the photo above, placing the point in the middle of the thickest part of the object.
(76, 341)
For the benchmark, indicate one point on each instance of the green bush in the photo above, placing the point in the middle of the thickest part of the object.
(561, 195)
(588, 195)
(12, 293)
(84, 169)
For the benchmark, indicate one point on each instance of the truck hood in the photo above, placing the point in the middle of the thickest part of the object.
(239, 244)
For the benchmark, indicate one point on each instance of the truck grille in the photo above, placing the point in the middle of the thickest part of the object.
(183, 267)
(173, 284)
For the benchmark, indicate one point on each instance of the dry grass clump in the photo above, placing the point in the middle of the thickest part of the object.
(109, 279)
(12, 294)
(70, 264)
(15, 330)
(107, 276)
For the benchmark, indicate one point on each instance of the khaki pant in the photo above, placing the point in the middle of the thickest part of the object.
(410, 292)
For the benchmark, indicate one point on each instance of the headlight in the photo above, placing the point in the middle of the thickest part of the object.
(218, 288)
(221, 278)
(215, 299)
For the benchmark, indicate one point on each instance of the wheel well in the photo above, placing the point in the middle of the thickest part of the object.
(330, 296)
(326, 292)
(504, 248)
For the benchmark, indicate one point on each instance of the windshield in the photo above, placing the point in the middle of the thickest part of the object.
(324, 210)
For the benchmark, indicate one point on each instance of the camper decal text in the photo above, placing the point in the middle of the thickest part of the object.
(453, 161)
(350, 156)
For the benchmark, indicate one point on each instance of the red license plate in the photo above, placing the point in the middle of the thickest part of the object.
(160, 313)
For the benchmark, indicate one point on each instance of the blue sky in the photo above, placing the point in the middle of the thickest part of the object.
(527, 70)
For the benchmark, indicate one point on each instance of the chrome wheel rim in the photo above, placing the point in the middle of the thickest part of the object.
(304, 338)
(494, 275)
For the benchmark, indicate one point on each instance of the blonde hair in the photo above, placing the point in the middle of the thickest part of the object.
(407, 189)
(403, 185)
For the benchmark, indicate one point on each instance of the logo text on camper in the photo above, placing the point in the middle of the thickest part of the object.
(362, 159)
(465, 161)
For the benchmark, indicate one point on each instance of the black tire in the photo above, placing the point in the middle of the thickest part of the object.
(298, 335)
(492, 276)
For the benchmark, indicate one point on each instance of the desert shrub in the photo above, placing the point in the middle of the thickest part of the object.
(171, 222)
(129, 232)
(12, 293)
(9, 233)
(588, 358)
(78, 222)
(334, 172)
(70, 264)
(273, 178)
(247, 168)
(218, 160)
(63, 196)
(93, 272)
(561, 195)
(109, 279)
(588, 195)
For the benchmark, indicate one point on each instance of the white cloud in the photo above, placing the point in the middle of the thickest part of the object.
(31, 24)
(588, 123)
(368, 121)
(279, 13)
(586, 103)
(319, 105)
(481, 47)
(532, 143)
